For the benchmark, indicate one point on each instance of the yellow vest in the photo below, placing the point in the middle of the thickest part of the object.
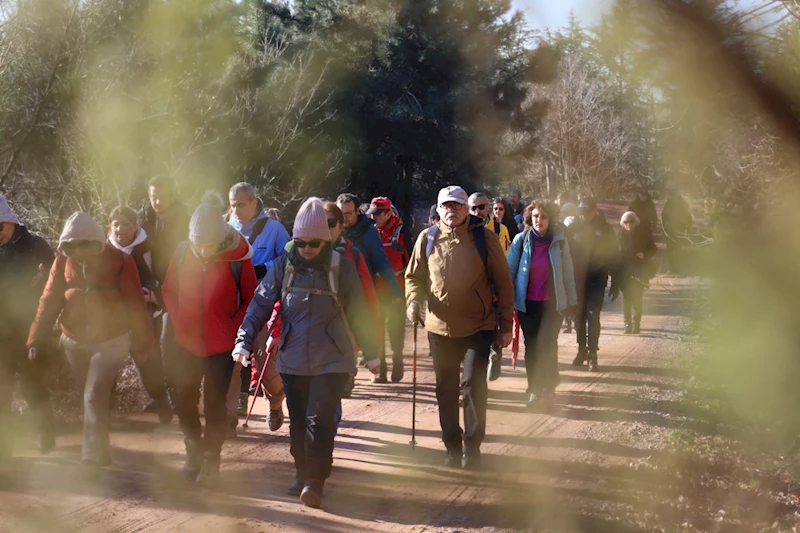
(503, 235)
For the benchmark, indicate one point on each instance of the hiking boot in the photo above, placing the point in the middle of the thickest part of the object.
(533, 400)
(209, 472)
(312, 493)
(230, 429)
(381, 377)
(627, 330)
(362, 361)
(636, 329)
(296, 488)
(593, 362)
(275, 419)
(471, 460)
(194, 460)
(164, 411)
(580, 358)
(452, 458)
(397, 368)
(495, 364)
(242, 408)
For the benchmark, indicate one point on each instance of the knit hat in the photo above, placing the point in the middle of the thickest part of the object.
(207, 226)
(311, 221)
(82, 227)
(6, 213)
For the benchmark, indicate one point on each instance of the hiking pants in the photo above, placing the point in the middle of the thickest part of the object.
(272, 384)
(151, 372)
(95, 368)
(590, 307)
(313, 402)
(393, 315)
(541, 324)
(448, 355)
(214, 372)
(632, 295)
(14, 361)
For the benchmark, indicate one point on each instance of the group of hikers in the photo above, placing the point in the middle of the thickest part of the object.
(225, 304)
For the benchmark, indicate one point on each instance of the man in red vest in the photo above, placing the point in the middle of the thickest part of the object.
(390, 229)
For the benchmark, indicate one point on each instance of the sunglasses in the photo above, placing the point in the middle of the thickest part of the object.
(332, 223)
(311, 244)
(480, 207)
(77, 245)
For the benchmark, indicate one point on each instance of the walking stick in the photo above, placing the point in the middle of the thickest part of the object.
(260, 376)
(515, 341)
(414, 390)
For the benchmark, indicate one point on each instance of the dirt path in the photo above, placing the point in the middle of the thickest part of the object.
(547, 471)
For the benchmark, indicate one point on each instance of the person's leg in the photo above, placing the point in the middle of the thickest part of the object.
(8, 366)
(79, 357)
(627, 301)
(273, 385)
(529, 322)
(325, 395)
(547, 359)
(594, 294)
(580, 321)
(447, 367)
(217, 372)
(473, 383)
(165, 333)
(233, 393)
(384, 305)
(396, 324)
(297, 397)
(34, 390)
(186, 396)
(636, 302)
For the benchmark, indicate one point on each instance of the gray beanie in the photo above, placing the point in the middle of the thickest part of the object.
(311, 221)
(207, 226)
(6, 213)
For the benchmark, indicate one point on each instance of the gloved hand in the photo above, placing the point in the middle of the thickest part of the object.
(241, 355)
(413, 313)
(613, 292)
(272, 346)
(33, 356)
(374, 365)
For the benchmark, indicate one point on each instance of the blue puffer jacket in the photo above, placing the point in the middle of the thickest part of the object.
(365, 237)
(562, 272)
(268, 245)
(314, 338)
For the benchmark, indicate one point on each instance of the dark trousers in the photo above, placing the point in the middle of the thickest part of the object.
(312, 403)
(394, 317)
(187, 372)
(448, 355)
(590, 308)
(153, 371)
(541, 324)
(14, 362)
(632, 293)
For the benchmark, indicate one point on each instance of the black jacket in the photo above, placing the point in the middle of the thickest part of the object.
(596, 253)
(646, 211)
(19, 265)
(630, 244)
(164, 235)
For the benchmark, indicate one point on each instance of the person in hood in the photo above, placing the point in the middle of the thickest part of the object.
(448, 272)
(209, 285)
(544, 290)
(393, 239)
(637, 249)
(321, 300)
(95, 294)
(268, 238)
(165, 221)
(24, 261)
(125, 235)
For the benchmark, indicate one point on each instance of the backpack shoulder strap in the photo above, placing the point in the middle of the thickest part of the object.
(258, 229)
(430, 238)
(480, 243)
(288, 277)
(526, 238)
(396, 239)
(236, 270)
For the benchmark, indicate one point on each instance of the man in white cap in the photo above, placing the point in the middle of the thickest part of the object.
(455, 268)
(25, 260)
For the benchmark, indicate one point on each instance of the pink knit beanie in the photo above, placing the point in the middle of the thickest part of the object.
(311, 221)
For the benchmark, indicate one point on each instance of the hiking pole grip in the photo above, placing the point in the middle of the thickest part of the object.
(414, 390)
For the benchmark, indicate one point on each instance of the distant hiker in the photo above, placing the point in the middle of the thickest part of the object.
(321, 300)
(433, 216)
(393, 238)
(165, 221)
(676, 219)
(645, 209)
(94, 293)
(502, 213)
(456, 267)
(268, 238)
(25, 260)
(595, 257)
(636, 253)
(515, 204)
(126, 236)
(544, 289)
(479, 207)
(567, 215)
(209, 285)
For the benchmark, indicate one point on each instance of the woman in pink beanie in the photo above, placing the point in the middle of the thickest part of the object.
(322, 305)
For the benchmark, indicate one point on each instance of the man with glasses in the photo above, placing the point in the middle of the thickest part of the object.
(361, 230)
(479, 206)
(457, 271)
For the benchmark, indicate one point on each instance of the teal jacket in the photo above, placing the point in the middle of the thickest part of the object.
(561, 270)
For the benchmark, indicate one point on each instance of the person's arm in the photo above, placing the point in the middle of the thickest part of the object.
(249, 284)
(500, 278)
(515, 256)
(168, 293)
(568, 272)
(279, 242)
(261, 305)
(354, 305)
(417, 272)
(374, 248)
(130, 288)
(50, 304)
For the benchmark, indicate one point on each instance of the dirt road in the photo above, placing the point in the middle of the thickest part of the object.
(560, 470)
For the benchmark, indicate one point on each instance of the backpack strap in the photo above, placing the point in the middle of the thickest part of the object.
(479, 235)
(526, 238)
(236, 271)
(395, 243)
(430, 238)
(258, 228)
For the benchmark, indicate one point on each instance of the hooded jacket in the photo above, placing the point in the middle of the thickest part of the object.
(639, 240)
(501, 232)
(202, 299)
(457, 286)
(398, 259)
(595, 253)
(94, 301)
(314, 336)
(268, 245)
(365, 236)
(19, 265)
(164, 234)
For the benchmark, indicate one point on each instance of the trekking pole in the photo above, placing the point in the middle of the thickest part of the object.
(414, 390)
(260, 376)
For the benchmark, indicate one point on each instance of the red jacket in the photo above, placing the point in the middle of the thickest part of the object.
(95, 302)
(202, 299)
(397, 258)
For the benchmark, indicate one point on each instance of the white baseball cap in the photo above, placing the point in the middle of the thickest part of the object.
(453, 193)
